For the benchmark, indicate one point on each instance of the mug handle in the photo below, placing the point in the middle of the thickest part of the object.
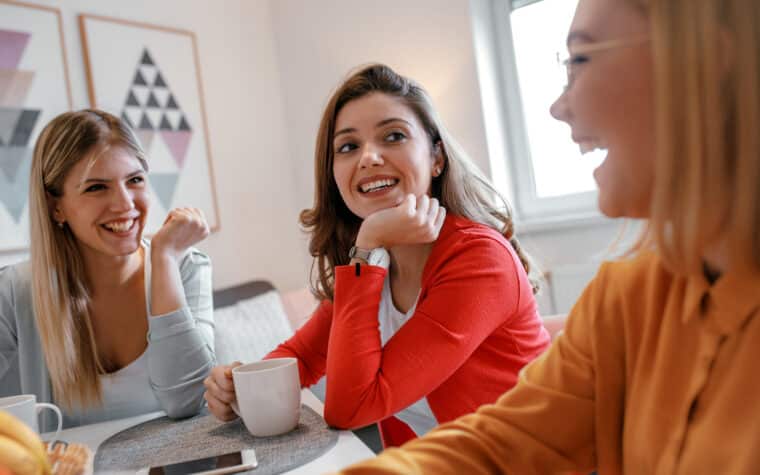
(44, 405)
(234, 404)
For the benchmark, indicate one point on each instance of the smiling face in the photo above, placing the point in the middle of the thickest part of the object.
(381, 154)
(609, 103)
(105, 205)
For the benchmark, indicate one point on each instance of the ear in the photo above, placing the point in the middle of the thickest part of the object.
(439, 160)
(53, 209)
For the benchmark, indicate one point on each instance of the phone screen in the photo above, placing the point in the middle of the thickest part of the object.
(205, 464)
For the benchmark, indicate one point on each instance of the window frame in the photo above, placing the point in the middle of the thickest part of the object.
(529, 207)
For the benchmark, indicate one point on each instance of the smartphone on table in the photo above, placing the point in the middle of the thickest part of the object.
(232, 462)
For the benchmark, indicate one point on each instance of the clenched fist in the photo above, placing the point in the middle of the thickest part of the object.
(182, 228)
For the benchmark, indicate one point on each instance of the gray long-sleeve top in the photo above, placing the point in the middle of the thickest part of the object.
(180, 349)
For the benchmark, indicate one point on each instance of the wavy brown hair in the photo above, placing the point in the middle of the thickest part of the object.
(60, 291)
(461, 188)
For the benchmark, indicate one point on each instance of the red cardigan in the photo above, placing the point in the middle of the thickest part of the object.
(475, 326)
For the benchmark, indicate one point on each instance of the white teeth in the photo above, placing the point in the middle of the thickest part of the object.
(377, 184)
(120, 226)
(591, 145)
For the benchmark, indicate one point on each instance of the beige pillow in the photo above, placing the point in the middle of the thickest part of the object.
(250, 329)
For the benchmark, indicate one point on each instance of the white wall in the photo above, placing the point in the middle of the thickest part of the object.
(433, 42)
(268, 67)
(571, 255)
(259, 236)
(318, 42)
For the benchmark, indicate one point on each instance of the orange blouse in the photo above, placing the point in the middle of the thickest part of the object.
(655, 373)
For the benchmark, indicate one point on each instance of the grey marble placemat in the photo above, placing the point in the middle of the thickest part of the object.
(164, 441)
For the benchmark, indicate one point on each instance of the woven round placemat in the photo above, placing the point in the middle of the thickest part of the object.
(164, 441)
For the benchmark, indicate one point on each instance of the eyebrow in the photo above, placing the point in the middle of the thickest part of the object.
(383, 122)
(106, 180)
(579, 36)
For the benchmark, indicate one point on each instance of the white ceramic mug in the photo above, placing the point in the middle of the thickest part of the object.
(26, 408)
(268, 395)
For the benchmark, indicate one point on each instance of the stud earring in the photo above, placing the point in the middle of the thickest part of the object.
(437, 171)
(60, 224)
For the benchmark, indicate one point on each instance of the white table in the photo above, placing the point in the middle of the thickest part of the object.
(347, 450)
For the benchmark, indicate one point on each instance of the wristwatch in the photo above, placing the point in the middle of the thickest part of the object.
(374, 257)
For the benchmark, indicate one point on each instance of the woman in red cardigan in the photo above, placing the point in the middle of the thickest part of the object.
(427, 309)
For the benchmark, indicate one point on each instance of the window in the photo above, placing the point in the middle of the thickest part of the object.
(552, 179)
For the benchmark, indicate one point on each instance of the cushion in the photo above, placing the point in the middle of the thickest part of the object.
(251, 328)
(299, 304)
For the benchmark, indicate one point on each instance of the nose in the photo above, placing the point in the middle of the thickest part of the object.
(370, 156)
(122, 199)
(560, 110)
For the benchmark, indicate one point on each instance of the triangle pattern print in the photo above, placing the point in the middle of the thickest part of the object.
(153, 110)
(16, 123)
(13, 193)
(151, 105)
(14, 43)
(164, 185)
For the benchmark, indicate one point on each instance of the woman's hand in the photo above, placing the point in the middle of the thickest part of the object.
(413, 221)
(182, 228)
(220, 392)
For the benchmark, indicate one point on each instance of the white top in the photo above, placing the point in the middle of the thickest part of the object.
(124, 395)
(123, 391)
(419, 417)
(136, 388)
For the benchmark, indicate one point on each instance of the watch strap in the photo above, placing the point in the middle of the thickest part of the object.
(359, 253)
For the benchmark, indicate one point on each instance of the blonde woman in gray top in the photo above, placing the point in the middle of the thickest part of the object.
(101, 321)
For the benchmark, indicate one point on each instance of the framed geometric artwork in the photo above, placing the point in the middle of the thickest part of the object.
(150, 77)
(34, 88)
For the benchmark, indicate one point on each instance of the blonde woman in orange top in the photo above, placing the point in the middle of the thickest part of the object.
(656, 371)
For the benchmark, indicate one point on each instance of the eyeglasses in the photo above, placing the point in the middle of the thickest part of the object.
(571, 61)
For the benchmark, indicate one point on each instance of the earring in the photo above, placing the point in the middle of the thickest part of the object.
(60, 224)
(437, 171)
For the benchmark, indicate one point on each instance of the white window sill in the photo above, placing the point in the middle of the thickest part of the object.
(546, 224)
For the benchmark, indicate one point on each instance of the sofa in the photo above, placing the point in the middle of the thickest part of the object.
(253, 317)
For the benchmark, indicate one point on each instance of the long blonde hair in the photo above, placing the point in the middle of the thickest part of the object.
(460, 187)
(60, 291)
(707, 96)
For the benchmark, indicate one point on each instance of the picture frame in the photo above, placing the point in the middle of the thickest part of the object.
(34, 88)
(150, 76)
